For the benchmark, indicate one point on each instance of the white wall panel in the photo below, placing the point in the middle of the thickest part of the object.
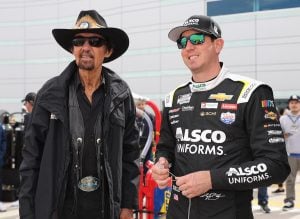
(142, 63)
(11, 35)
(278, 53)
(11, 54)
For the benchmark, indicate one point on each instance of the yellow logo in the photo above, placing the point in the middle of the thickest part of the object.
(220, 97)
(270, 115)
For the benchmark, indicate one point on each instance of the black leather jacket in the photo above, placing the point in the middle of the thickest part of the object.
(46, 155)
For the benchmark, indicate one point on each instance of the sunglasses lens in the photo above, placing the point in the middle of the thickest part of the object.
(93, 41)
(181, 43)
(96, 41)
(196, 39)
(78, 41)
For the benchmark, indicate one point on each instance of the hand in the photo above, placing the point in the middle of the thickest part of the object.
(126, 213)
(286, 135)
(160, 173)
(194, 184)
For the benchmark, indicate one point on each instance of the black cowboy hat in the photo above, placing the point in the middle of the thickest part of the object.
(92, 22)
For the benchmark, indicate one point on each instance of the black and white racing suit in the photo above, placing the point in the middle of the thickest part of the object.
(229, 126)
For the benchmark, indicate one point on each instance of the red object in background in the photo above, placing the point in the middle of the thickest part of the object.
(146, 190)
(147, 184)
(157, 119)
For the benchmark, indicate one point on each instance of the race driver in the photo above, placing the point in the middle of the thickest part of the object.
(220, 134)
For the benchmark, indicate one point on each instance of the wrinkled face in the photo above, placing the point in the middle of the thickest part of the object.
(89, 51)
(294, 106)
(199, 57)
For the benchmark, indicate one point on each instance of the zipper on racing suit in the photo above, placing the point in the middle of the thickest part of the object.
(189, 208)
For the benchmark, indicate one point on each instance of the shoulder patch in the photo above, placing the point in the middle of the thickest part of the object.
(249, 87)
(170, 96)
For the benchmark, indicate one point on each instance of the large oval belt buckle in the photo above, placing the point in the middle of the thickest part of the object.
(89, 184)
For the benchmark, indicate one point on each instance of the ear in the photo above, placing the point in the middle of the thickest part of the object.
(219, 43)
(108, 53)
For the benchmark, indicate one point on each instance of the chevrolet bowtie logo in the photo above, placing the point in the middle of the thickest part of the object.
(220, 97)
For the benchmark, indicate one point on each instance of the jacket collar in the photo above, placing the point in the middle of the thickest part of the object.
(54, 94)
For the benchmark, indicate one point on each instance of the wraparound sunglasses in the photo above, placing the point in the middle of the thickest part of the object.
(93, 41)
(195, 39)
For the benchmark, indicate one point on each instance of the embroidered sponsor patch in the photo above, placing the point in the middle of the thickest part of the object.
(267, 103)
(248, 175)
(274, 132)
(174, 110)
(208, 105)
(272, 125)
(173, 116)
(198, 86)
(270, 115)
(174, 122)
(185, 98)
(187, 108)
(227, 118)
(208, 113)
(168, 101)
(175, 188)
(229, 106)
(176, 198)
(276, 140)
(248, 90)
(220, 97)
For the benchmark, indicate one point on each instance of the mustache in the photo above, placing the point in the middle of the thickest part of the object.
(86, 54)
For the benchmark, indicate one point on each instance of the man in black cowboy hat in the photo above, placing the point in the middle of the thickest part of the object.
(81, 146)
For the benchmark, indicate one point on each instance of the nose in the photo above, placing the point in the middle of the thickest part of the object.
(86, 44)
(189, 45)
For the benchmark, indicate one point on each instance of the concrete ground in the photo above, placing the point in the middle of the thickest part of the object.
(275, 203)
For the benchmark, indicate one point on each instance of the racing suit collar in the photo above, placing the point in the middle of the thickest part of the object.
(196, 87)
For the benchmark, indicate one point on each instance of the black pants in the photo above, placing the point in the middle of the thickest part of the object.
(86, 208)
(81, 214)
(244, 212)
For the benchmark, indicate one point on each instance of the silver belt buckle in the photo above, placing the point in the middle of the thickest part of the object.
(89, 184)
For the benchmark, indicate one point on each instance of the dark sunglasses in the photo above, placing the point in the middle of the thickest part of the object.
(93, 41)
(195, 39)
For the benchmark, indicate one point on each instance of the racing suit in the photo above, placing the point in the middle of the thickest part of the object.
(230, 126)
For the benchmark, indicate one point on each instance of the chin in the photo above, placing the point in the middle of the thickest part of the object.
(85, 66)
